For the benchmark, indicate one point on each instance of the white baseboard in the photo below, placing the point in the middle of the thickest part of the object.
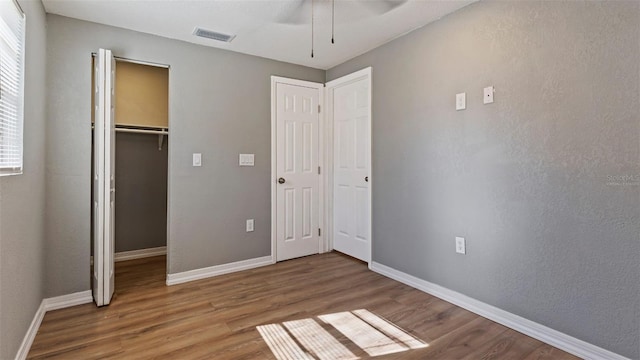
(545, 334)
(139, 254)
(49, 304)
(65, 301)
(197, 274)
(24, 348)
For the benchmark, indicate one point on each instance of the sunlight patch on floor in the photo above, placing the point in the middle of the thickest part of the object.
(307, 339)
(390, 329)
(318, 340)
(281, 344)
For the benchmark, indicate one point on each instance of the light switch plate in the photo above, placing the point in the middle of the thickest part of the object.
(249, 225)
(247, 160)
(488, 95)
(461, 245)
(461, 101)
(197, 159)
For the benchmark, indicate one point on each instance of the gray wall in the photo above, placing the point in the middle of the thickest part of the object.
(219, 105)
(22, 200)
(141, 183)
(534, 181)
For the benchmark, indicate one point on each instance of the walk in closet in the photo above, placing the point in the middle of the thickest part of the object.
(141, 158)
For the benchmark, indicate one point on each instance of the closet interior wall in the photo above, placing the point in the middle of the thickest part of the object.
(141, 192)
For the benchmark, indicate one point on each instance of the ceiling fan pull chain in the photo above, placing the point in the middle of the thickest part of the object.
(312, 28)
(333, 18)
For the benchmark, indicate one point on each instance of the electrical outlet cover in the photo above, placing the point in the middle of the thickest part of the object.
(461, 101)
(197, 159)
(488, 95)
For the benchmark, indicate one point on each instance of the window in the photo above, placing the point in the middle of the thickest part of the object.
(11, 87)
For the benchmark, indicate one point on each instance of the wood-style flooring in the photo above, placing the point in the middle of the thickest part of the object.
(216, 318)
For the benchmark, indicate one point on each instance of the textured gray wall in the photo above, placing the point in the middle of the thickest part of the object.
(141, 183)
(535, 181)
(219, 105)
(22, 200)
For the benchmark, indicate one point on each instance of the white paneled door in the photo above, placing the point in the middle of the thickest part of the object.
(104, 178)
(297, 173)
(350, 100)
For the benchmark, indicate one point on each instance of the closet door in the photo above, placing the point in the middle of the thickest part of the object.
(104, 179)
(98, 181)
(110, 174)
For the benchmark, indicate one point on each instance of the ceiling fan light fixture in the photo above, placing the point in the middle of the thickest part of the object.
(214, 35)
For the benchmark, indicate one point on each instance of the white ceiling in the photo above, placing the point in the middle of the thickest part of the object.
(274, 29)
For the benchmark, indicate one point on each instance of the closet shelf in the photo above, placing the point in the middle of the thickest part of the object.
(156, 131)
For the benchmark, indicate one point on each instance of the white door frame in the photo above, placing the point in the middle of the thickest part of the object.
(328, 154)
(275, 80)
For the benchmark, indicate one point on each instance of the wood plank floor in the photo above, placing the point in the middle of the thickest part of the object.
(216, 318)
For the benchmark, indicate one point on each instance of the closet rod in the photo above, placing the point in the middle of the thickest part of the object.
(142, 131)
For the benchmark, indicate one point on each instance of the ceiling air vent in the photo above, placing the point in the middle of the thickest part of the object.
(212, 35)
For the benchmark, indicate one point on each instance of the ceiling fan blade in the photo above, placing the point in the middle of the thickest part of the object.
(297, 14)
(380, 7)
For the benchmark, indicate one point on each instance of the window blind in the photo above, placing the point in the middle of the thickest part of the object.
(12, 21)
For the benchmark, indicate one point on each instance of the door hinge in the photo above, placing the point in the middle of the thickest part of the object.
(319, 232)
(318, 170)
(318, 108)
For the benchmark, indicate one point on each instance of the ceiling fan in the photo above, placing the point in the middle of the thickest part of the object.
(301, 12)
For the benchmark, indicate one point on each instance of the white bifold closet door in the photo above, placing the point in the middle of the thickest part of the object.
(104, 178)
